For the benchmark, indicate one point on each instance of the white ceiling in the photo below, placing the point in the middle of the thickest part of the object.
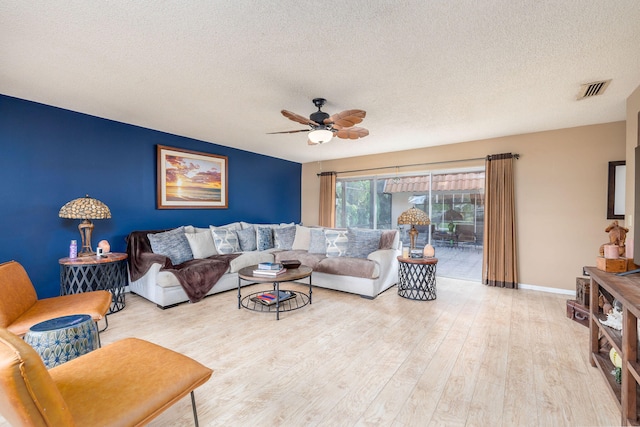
(427, 72)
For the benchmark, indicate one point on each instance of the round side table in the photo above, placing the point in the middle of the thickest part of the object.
(417, 278)
(93, 273)
(64, 338)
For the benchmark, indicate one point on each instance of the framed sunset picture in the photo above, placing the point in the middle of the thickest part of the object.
(191, 180)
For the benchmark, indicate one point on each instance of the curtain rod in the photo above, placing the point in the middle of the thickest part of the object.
(515, 156)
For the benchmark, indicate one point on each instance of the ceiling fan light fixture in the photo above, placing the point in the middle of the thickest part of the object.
(320, 136)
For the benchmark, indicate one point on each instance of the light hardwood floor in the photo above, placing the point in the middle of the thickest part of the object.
(475, 356)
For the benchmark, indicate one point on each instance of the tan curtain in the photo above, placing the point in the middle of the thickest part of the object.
(500, 263)
(327, 199)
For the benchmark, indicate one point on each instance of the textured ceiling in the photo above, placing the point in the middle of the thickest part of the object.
(427, 72)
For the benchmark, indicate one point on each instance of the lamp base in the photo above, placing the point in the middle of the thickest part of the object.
(413, 235)
(86, 228)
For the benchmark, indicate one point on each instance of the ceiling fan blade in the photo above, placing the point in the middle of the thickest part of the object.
(352, 133)
(347, 118)
(298, 118)
(289, 131)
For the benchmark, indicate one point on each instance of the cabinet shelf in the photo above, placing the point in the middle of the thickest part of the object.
(625, 289)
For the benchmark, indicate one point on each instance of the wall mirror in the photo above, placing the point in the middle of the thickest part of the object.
(616, 193)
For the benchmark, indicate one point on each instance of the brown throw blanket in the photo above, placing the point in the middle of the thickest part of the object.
(197, 276)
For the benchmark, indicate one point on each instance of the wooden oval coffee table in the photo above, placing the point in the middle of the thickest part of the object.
(294, 300)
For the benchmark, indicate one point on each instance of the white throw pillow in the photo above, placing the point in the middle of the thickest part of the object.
(201, 244)
(302, 239)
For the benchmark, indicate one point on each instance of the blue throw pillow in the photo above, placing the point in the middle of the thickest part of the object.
(264, 238)
(172, 244)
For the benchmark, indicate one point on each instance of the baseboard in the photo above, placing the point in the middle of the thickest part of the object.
(546, 289)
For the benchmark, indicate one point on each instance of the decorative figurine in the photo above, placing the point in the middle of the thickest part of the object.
(617, 236)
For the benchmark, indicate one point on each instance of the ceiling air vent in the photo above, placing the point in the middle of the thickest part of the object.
(592, 89)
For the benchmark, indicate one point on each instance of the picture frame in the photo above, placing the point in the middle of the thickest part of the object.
(616, 190)
(191, 179)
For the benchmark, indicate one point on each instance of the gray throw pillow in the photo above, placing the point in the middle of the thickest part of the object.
(283, 237)
(362, 242)
(172, 244)
(337, 242)
(264, 238)
(317, 241)
(247, 239)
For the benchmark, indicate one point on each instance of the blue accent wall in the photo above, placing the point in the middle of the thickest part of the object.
(49, 156)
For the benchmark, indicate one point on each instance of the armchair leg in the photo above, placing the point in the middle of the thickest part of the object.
(106, 324)
(195, 412)
(106, 320)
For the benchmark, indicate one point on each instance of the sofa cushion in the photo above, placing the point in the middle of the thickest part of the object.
(283, 237)
(172, 244)
(226, 241)
(317, 241)
(362, 242)
(302, 239)
(264, 238)
(336, 241)
(247, 239)
(388, 239)
(249, 258)
(346, 266)
(306, 258)
(201, 244)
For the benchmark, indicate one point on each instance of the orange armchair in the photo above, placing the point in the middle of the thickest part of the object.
(20, 307)
(127, 383)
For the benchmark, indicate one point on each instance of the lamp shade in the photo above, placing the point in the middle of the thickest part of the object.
(85, 208)
(413, 216)
(320, 136)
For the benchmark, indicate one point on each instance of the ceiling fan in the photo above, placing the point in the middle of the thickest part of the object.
(324, 127)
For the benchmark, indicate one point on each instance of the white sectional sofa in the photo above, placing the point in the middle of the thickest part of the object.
(163, 264)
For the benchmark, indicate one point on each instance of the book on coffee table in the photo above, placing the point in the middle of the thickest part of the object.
(268, 273)
(269, 266)
(269, 298)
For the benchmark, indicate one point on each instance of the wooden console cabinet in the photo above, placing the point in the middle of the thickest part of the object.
(625, 289)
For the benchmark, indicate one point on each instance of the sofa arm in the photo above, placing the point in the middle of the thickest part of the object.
(140, 265)
(384, 257)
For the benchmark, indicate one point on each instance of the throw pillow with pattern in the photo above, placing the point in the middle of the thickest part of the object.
(337, 242)
(264, 238)
(226, 241)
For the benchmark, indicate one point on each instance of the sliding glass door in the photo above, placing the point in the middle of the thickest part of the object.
(454, 202)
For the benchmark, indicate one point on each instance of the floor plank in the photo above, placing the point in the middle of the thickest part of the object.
(474, 356)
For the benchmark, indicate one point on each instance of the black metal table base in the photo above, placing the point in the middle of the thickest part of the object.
(93, 277)
(417, 281)
(299, 301)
